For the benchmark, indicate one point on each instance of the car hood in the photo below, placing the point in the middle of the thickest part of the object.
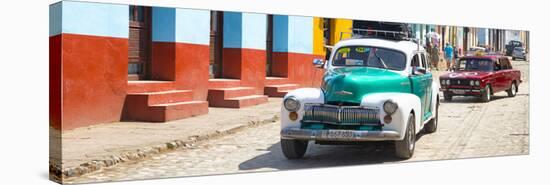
(349, 85)
(466, 75)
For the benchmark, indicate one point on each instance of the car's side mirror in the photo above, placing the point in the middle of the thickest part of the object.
(418, 71)
(318, 63)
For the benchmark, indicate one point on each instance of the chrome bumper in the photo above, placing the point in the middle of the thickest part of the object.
(332, 135)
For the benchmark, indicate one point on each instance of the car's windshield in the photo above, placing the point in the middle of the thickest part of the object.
(475, 64)
(515, 43)
(366, 56)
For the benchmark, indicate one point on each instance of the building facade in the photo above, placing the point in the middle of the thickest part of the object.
(116, 62)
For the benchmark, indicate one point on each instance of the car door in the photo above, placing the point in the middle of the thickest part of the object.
(507, 73)
(428, 80)
(418, 82)
(499, 75)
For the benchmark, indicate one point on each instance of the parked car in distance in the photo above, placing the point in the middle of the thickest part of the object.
(519, 52)
(511, 45)
(481, 76)
(374, 89)
(476, 50)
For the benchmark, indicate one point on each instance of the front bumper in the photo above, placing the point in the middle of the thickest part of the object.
(517, 55)
(338, 135)
(462, 91)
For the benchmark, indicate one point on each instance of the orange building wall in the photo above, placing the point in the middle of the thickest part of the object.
(94, 79)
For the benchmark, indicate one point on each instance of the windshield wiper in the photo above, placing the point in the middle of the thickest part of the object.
(380, 60)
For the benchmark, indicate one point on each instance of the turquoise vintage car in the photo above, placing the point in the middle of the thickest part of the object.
(374, 89)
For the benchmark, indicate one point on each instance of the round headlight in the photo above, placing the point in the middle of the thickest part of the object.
(471, 83)
(448, 82)
(477, 82)
(291, 104)
(390, 107)
(442, 82)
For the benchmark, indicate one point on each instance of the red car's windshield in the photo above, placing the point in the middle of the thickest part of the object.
(475, 64)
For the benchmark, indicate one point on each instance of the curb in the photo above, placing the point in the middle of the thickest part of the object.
(58, 173)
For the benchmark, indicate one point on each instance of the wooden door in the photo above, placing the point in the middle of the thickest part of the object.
(326, 37)
(269, 45)
(139, 43)
(216, 43)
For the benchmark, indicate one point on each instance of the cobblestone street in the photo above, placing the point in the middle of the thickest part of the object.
(467, 128)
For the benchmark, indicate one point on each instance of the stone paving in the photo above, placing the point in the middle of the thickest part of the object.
(86, 149)
(467, 128)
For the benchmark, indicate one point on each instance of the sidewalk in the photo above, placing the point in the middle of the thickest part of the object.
(91, 148)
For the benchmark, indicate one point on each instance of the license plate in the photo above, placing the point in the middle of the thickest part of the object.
(338, 134)
(458, 91)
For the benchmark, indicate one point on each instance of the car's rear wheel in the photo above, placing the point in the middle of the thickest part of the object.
(513, 58)
(486, 94)
(431, 126)
(513, 90)
(294, 149)
(404, 148)
(447, 96)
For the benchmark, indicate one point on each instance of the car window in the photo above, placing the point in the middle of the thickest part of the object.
(366, 56)
(505, 64)
(475, 64)
(497, 65)
(415, 62)
(423, 59)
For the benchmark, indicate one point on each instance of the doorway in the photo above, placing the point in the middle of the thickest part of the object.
(139, 43)
(216, 44)
(269, 46)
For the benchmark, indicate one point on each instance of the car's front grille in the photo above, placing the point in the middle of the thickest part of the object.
(341, 115)
(460, 82)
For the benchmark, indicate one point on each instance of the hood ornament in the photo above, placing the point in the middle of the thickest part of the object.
(343, 93)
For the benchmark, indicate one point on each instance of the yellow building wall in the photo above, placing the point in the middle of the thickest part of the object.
(318, 39)
(338, 26)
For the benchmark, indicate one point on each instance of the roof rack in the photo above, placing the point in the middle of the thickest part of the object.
(381, 34)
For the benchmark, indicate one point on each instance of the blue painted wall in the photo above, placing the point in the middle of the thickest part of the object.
(163, 24)
(232, 29)
(280, 33)
(244, 30)
(86, 18)
(55, 19)
(181, 25)
(193, 26)
(293, 34)
(254, 30)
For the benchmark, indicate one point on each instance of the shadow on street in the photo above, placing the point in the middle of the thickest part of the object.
(318, 156)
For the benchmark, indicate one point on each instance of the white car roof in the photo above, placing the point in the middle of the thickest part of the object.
(405, 46)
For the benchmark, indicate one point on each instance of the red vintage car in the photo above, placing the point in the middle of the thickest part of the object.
(481, 76)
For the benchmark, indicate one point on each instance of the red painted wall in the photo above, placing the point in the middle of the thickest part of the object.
(231, 63)
(192, 68)
(248, 65)
(318, 73)
(163, 55)
(186, 64)
(298, 68)
(94, 79)
(55, 81)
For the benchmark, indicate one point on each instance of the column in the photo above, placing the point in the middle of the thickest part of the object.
(180, 49)
(293, 47)
(244, 42)
(88, 63)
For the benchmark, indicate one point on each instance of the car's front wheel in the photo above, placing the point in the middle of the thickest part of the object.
(294, 149)
(431, 126)
(404, 148)
(486, 94)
